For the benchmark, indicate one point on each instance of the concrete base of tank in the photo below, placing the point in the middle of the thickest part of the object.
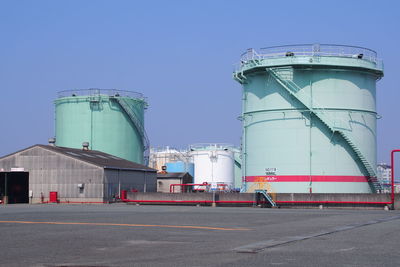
(284, 200)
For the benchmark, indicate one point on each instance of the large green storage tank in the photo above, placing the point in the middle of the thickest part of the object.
(309, 118)
(111, 121)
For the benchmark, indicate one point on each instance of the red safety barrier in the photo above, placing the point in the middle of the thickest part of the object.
(255, 202)
(331, 202)
(191, 201)
(124, 194)
(392, 176)
(76, 202)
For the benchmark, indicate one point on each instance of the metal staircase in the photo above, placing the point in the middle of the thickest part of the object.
(266, 196)
(138, 125)
(284, 76)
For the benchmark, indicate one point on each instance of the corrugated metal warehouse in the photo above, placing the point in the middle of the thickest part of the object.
(77, 175)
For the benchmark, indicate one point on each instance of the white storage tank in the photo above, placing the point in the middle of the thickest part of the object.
(159, 157)
(214, 165)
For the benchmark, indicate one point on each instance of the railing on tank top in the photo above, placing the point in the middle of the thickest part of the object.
(311, 50)
(98, 92)
(211, 146)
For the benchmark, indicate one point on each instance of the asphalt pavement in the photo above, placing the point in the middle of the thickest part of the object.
(130, 235)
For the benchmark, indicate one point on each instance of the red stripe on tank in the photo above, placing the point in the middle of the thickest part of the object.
(307, 178)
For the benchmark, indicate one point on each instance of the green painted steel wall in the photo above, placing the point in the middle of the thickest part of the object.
(279, 132)
(102, 123)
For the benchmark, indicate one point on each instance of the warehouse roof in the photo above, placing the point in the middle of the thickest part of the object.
(98, 158)
(94, 157)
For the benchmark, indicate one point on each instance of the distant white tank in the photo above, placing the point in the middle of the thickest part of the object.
(159, 157)
(213, 164)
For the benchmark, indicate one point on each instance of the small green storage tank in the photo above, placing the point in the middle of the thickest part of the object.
(309, 118)
(112, 121)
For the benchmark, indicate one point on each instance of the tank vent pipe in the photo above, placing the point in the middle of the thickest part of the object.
(52, 141)
(85, 146)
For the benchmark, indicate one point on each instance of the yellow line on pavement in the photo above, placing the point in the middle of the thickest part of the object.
(133, 225)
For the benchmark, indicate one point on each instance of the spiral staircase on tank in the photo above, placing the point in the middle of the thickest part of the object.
(284, 77)
(138, 125)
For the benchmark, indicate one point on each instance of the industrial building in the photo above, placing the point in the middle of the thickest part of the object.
(384, 172)
(43, 173)
(180, 166)
(309, 118)
(162, 156)
(111, 121)
(211, 163)
(172, 182)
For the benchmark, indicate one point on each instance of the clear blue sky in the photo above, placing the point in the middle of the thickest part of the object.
(177, 53)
